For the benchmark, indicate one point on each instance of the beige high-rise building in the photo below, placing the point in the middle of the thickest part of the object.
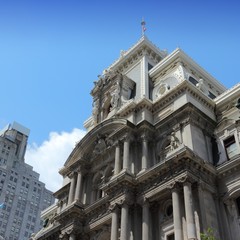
(161, 158)
(22, 195)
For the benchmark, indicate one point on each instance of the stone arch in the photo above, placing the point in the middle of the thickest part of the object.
(86, 144)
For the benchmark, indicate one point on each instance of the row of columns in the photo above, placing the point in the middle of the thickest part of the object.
(126, 155)
(76, 179)
(177, 217)
(189, 211)
(75, 186)
(124, 222)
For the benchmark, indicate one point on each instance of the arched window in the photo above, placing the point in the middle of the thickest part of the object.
(97, 182)
(108, 173)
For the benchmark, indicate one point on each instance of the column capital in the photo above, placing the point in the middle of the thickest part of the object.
(145, 136)
(72, 174)
(185, 179)
(81, 169)
(128, 198)
(128, 136)
(143, 201)
(175, 186)
(114, 207)
(116, 143)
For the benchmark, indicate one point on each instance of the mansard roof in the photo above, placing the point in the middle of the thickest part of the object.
(178, 55)
(143, 43)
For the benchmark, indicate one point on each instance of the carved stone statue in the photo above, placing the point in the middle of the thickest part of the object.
(95, 111)
(174, 141)
(201, 86)
(116, 96)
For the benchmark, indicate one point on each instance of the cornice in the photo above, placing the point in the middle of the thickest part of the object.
(181, 162)
(96, 205)
(177, 91)
(228, 96)
(228, 167)
(51, 232)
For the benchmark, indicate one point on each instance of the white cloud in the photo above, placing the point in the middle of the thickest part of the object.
(51, 155)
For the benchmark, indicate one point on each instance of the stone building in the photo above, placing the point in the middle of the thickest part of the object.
(22, 195)
(161, 158)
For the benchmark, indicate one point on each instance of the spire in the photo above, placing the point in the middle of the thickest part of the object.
(143, 24)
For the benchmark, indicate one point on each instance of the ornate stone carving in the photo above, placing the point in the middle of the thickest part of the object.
(100, 145)
(95, 111)
(174, 141)
(162, 89)
(180, 73)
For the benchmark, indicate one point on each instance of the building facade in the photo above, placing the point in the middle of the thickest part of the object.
(22, 195)
(161, 157)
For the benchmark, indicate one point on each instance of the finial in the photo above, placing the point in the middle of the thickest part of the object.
(143, 24)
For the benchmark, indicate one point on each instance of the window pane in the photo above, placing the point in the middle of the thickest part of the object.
(232, 150)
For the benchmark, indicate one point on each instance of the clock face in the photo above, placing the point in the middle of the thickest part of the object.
(162, 89)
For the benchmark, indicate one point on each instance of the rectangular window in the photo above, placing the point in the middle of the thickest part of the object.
(230, 146)
(170, 237)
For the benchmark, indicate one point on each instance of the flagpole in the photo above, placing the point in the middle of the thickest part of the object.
(143, 24)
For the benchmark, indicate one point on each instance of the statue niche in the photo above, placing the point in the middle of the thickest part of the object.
(169, 144)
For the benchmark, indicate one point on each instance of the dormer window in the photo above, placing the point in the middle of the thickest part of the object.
(230, 146)
(193, 81)
(211, 95)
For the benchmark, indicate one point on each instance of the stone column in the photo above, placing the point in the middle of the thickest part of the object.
(72, 188)
(178, 233)
(144, 152)
(126, 153)
(72, 237)
(226, 227)
(79, 185)
(124, 222)
(117, 159)
(201, 198)
(145, 220)
(191, 228)
(114, 226)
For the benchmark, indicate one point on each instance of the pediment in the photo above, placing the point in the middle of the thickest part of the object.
(96, 140)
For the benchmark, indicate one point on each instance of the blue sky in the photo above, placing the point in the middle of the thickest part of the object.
(52, 51)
